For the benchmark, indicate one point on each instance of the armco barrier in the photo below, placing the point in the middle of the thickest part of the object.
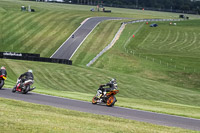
(32, 57)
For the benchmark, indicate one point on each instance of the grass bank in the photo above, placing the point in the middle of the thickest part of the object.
(81, 83)
(18, 116)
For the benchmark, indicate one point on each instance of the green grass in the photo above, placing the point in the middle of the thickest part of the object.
(102, 35)
(46, 29)
(152, 59)
(143, 83)
(18, 116)
(81, 83)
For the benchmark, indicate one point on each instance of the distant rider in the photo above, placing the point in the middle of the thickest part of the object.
(2, 72)
(112, 86)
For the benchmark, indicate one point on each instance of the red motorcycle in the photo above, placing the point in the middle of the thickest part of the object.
(2, 78)
(109, 99)
(23, 87)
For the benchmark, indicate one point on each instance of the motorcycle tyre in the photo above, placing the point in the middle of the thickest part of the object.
(25, 91)
(1, 83)
(111, 101)
(94, 100)
(14, 89)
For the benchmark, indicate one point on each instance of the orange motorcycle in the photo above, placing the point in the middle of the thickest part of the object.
(109, 99)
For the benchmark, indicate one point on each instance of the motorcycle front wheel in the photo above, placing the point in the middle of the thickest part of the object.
(14, 89)
(111, 101)
(94, 100)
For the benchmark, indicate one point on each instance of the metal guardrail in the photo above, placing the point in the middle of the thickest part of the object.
(109, 45)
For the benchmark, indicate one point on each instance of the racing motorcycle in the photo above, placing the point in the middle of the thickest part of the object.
(2, 78)
(109, 99)
(23, 87)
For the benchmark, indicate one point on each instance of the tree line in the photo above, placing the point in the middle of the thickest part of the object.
(185, 6)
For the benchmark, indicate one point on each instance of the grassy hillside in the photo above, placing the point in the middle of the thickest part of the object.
(167, 53)
(46, 29)
(81, 83)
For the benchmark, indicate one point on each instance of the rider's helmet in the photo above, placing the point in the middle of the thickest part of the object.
(114, 82)
(3, 68)
(30, 71)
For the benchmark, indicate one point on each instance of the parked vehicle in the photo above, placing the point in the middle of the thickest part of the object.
(109, 99)
(23, 87)
(153, 25)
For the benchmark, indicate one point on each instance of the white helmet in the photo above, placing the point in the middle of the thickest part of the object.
(30, 71)
(3, 67)
(113, 80)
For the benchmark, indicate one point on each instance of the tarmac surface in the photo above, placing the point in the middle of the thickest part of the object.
(70, 46)
(132, 114)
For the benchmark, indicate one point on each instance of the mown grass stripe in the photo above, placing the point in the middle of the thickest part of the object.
(15, 21)
(52, 33)
(173, 41)
(48, 33)
(16, 34)
(31, 43)
(31, 33)
(190, 44)
(185, 36)
(165, 37)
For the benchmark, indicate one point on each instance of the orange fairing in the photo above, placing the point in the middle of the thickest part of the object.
(113, 92)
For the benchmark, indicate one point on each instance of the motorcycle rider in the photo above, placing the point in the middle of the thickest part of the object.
(27, 76)
(24, 77)
(2, 72)
(101, 92)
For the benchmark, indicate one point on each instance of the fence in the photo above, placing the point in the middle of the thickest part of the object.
(168, 64)
(32, 57)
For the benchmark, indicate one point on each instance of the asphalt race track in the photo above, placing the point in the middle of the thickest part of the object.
(69, 47)
(138, 115)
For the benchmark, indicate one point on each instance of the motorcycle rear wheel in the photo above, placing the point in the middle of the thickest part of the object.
(111, 101)
(26, 89)
(1, 84)
(94, 100)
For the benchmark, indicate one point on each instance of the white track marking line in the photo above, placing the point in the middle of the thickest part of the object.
(69, 37)
(84, 40)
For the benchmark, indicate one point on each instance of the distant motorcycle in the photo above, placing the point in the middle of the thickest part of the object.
(109, 99)
(2, 78)
(23, 87)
